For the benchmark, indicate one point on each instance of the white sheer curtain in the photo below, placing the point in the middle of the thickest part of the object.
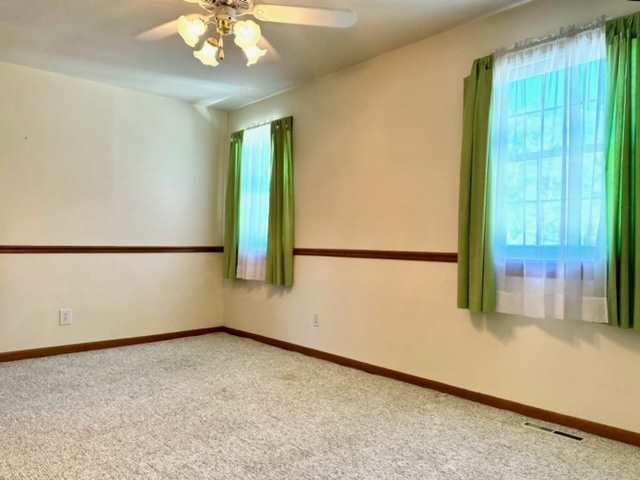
(548, 173)
(255, 186)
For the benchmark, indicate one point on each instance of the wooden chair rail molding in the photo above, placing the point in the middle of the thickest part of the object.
(94, 249)
(442, 257)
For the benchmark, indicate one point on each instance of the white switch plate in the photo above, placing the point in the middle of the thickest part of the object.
(65, 317)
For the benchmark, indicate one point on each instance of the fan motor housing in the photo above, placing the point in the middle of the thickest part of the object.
(226, 13)
(244, 5)
(241, 6)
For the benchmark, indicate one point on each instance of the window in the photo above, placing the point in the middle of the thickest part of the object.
(548, 167)
(552, 162)
(255, 187)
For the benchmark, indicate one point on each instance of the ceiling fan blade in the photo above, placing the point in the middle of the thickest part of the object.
(320, 17)
(160, 32)
(272, 56)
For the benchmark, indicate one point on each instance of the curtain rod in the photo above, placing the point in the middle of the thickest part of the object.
(570, 31)
(251, 126)
(260, 124)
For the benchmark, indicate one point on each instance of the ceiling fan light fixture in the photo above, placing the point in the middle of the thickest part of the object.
(191, 28)
(208, 54)
(226, 17)
(254, 54)
(247, 33)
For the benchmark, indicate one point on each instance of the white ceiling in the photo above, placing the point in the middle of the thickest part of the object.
(96, 39)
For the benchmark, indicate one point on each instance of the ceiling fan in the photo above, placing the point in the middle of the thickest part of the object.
(227, 17)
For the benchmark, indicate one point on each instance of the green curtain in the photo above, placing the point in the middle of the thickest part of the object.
(232, 207)
(281, 207)
(623, 182)
(476, 278)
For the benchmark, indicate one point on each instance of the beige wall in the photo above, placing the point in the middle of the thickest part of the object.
(377, 150)
(377, 160)
(87, 164)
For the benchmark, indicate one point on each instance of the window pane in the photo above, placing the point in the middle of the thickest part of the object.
(553, 131)
(514, 182)
(551, 179)
(597, 79)
(555, 89)
(514, 224)
(551, 218)
(533, 88)
(255, 185)
(596, 189)
(588, 176)
(531, 224)
(591, 218)
(516, 129)
(531, 180)
(534, 132)
(517, 100)
(591, 118)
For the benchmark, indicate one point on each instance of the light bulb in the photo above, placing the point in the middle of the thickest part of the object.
(247, 33)
(207, 54)
(254, 54)
(191, 28)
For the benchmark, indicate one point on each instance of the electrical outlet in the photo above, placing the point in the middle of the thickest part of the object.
(316, 320)
(65, 317)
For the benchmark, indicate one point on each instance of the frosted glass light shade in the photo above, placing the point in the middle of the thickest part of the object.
(207, 55)
(247, 33)
(191, 28)
(254, 54)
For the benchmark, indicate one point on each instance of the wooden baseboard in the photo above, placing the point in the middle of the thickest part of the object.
(101, 345)
(606, 431)
(588, 426)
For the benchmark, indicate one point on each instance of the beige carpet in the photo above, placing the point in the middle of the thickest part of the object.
(220, 407)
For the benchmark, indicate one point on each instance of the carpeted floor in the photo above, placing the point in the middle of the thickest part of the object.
(221, 407)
